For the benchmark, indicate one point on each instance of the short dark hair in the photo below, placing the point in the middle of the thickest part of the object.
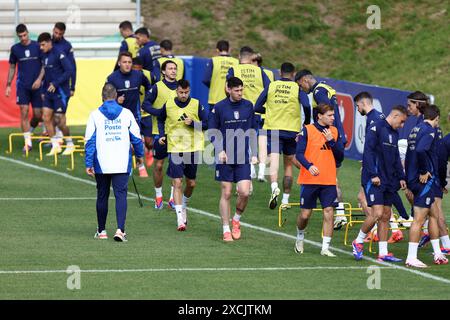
(44, 36)
(223, 45)
(60, 26)
(124, 54)
(418, 96)
(322, 108)
(234, 82)
(109, 91)
(287, 67)
(400, 109)
(363, 95)
(166, 44)
(302, 73)
(258, 59)
(126, 25)
(431, 111)
(143, 31)
(246, 50)
(165, 63)
(137, 61)
(21, 28)
(183, 84)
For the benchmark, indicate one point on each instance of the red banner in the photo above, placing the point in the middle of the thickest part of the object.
(9, 110)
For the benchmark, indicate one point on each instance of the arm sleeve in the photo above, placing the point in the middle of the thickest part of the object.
(398, 166)
(12, 58)
(146, 82)
(259, 105)
(208, 74)
(304, 101)
(370, 153)
(338, 151)
(161, 121)
(68, 71)
(321, 96)
(150, 97)
(90, 138)
(156, 71)
(123, 46)
(443, 154)
(230, 73)
(215, 136)
(135, 138)
(422, 148)
(73, 77)
(301, 148)
(265, 79)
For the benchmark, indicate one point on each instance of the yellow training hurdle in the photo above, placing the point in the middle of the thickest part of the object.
(349, 210)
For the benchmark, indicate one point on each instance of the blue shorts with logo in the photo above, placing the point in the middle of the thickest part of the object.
(378, 195)
(57, 101)
(285, 145)
(327, 194)
(424, 193)
(183, 164)
(27, 96)
(232, 172)
(159, 151)
(146, 126)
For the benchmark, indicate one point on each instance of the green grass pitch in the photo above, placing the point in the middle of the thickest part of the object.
(42, 236)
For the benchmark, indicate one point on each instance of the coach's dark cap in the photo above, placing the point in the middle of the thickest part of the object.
(302, 73)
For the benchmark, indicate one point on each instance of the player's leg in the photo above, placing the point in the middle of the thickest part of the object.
(190, 172)
(262, 154)
(420, 214)
(241, 176)
(62, 124)
(160, 154)
(383, 230)
(36, 103)
(25, 126)
(120, 187)
(375, 200)
(328, 197)
(433, 227)
(308, 201)
(443, 229)
(287, 179)
(273, 148)
(175, 171)
(48, 117)
(146, 132)
(103, 189)
(224, 208)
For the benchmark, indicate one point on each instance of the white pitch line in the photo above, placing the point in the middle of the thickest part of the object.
(50, 199)
(189, 270)
(250, 226)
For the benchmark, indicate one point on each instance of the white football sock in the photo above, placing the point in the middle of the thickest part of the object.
(435, 244)
(237, 217)
(171, 192)
(445, 241)
(158, 192)
(179, 211)
(300, 234)
(285, 199)
(274, 185)
(383, 248)
(262, 170)
(412, 250)
(226, 228)
(326, 243)
(361, 237)
(185, 201)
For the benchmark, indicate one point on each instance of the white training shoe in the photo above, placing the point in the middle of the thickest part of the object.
(54, 151)
(405, 222)
(120, 236)
(101, 235)
(69, 150)
(184, 215)
(273, 198)
(298, 246)
(416, 263)
(327, 253)
(440, 259)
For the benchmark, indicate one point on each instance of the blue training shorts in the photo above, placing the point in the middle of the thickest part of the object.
(159, 151)
(378, 195)
(232, 172)
(57, 101)
(183, 164)
(286, 146)
(423, 194)
(327, 194)
(27, 96)
(146, 126)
